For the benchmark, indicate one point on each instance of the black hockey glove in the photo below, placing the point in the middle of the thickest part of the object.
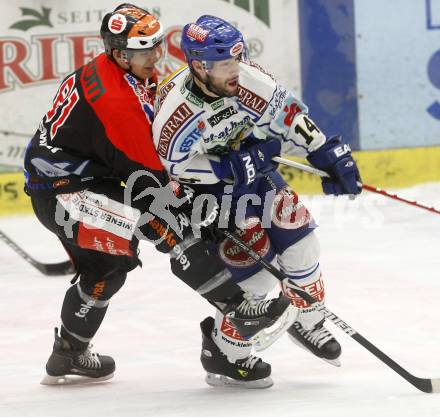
(208, 221)
(203, 213)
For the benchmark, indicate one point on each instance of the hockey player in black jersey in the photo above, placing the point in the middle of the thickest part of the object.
(96, 135)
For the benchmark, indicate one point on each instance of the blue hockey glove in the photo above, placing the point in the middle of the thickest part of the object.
(335, 158)
(257, 158)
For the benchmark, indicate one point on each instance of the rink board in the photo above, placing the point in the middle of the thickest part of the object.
(13, 199)
(386, 169)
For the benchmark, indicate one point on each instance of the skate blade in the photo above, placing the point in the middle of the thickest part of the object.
(216, 380)
(266, 337)
(335, 362)
(72, 380)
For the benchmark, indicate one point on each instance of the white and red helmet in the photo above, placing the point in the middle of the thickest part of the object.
(130, 27)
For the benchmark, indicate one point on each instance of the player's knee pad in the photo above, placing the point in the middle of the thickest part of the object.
(300, 261)
(260, 283)
(101, 289)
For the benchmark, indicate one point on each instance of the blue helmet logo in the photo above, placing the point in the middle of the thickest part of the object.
(211, 39)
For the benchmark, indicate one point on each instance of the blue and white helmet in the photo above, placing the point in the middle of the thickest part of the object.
(210, 39)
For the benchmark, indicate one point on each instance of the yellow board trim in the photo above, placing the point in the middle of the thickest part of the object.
(396, 168)
(13, 199)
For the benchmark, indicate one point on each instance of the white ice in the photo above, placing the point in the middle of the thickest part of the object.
(381, 264)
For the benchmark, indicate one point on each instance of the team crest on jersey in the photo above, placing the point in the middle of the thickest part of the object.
(251, 100)
(171, 126)
(288, 212)
(253, 235)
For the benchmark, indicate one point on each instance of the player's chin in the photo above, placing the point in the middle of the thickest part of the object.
(149, 71)
(231, 88)
(144, 73)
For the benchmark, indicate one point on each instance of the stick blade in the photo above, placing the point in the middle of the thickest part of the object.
(435, 385)
(62, 268)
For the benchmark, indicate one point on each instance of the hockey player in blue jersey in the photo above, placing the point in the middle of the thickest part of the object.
(219, 122)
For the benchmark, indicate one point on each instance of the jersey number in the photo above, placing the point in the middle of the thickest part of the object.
(65, 99)
(310, 127)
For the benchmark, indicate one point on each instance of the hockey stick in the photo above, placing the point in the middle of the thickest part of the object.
(423, 384)
(61, 268)
(367, 187)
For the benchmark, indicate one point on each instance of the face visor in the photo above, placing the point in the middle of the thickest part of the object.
(154, 54)
(227, 68)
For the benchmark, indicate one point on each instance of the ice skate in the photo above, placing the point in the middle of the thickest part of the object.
(318, 341)
(67, 366)
(250, 317)
(249, 373)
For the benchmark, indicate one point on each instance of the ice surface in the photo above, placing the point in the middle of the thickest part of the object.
(381, 264)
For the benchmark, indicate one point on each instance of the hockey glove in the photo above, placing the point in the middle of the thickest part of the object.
(248, 162)
(335, 158)
(207, 221)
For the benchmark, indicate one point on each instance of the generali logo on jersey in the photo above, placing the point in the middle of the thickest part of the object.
(252, 100)
(171, 126)
(28, 59)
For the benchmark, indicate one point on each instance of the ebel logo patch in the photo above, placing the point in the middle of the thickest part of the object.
(222, 115)
(171, 126)
(252, 100)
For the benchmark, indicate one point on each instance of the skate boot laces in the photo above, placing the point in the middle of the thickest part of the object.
(89, 359)
(318, 337)
(248, 362)
(252, 308)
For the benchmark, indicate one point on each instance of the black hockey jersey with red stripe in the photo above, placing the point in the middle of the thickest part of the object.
(99, 126)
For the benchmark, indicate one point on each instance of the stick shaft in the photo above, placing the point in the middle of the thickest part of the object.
(371, 188)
